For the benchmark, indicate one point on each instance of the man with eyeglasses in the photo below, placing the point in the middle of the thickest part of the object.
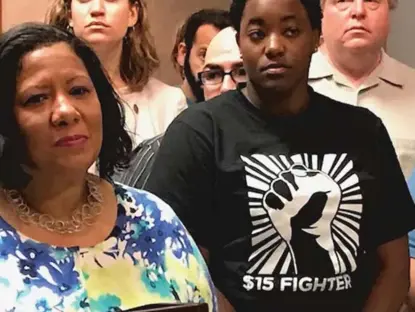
(223, 69)
(198, 31)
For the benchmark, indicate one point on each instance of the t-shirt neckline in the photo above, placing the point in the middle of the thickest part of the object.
(285, 119)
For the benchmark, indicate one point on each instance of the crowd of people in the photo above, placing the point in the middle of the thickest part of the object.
(278, 176)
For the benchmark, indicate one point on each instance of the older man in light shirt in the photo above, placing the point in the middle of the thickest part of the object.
(351, 66)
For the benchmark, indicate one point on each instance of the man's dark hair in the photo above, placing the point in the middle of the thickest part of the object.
(217, 18)
(175, 51)
(14, 45)
(312, 8)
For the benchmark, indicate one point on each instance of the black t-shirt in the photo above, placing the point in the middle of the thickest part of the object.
(291, 209)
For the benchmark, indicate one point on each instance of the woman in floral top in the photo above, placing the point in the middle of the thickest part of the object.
(70, 241)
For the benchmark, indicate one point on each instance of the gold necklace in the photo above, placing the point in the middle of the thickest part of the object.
(81, 217)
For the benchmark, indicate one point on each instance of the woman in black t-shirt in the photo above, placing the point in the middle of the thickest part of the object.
(297, 200)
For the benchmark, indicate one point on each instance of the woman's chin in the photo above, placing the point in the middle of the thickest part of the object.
(73, 166)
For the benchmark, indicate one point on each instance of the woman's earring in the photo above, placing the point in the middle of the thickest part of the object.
(131, 29)
(69, 29)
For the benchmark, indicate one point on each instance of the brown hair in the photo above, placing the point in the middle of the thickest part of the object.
(139, 58)
(175, 51)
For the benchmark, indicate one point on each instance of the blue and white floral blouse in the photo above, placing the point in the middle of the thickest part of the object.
(148, 258)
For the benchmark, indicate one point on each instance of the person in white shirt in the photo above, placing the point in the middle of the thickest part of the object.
(352, 66)
(119, 33)
(222, 71)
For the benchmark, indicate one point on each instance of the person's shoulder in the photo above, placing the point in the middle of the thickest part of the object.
(155, 84)
(152, 142)
(399, 67)
(202, 113)
(159, 89)
(216, 105)
(131, 194)
(143, 153)
(399, 74)
(320, 67)
(222, 101)
(132, 199)
(344, 113)
(165, 99)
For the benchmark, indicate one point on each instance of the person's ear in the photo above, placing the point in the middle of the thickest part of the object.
(181, 53)
(237, 42)
(316, 40)
(237, 37)
(133, 16)
(69, 17)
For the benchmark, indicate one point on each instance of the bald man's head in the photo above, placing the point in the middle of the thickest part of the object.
(222, 57)
(223, 47)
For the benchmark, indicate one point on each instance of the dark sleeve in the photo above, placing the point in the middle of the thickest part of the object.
(136, 175)
(144, 161)
(395, 216)
(183, 176)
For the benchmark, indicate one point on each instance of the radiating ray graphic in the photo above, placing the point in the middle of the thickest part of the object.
(271, 253)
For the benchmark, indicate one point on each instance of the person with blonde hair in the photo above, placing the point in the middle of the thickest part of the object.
(222, 59)
(175, 51)
(119, 33)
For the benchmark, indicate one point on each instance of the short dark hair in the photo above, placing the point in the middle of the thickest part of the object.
(175, 51)
(312, 8)
(217, 18)
(14, 45)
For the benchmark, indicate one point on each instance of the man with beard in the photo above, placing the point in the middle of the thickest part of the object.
(223, 70)
(199, 30)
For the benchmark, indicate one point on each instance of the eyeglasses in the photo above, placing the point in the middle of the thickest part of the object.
(216, 76)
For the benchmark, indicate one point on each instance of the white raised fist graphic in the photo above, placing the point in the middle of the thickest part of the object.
(300, 188)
